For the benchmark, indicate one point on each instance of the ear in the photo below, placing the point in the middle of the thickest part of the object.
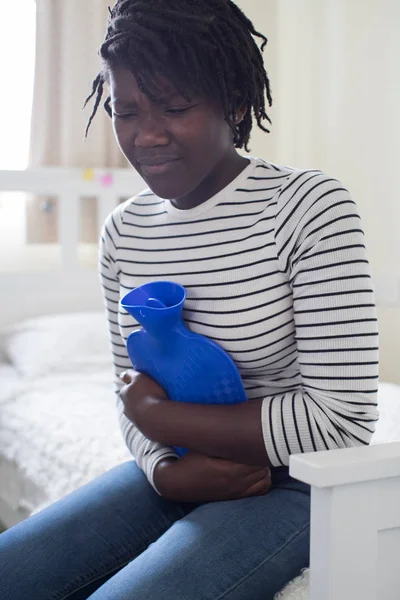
(239, 115)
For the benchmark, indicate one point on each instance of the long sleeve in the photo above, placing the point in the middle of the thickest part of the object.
(321, 248)
(146, 453)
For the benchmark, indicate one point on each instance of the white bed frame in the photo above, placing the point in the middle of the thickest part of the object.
(355, 493)
(70, 288)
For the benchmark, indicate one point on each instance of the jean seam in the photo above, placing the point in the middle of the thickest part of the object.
(299, 532)
(92, 576)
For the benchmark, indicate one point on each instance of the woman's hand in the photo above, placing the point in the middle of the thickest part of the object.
(197, 478)
(140, 393)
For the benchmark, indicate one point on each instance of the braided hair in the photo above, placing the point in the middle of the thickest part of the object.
(203, 46)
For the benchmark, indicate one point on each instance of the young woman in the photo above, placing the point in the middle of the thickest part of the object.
(273, 259)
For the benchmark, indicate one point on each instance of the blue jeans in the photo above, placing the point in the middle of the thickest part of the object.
(116, 539)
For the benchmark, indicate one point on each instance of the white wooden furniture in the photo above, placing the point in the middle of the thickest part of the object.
(355, 522)
(69, 287)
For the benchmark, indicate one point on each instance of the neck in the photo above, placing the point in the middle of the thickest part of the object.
(224, 173)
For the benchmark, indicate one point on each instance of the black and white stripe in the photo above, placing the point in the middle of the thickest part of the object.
(276, 273)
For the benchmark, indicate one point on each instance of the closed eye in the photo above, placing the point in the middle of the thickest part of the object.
(178, 111)
(124, 115)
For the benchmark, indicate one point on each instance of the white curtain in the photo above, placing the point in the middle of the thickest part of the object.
(69, 32)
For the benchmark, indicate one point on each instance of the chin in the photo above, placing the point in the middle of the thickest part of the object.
(166, 190)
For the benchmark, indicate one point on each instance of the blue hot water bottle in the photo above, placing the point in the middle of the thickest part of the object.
(189, 366)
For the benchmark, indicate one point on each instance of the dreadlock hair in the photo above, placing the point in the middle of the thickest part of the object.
(203, 46)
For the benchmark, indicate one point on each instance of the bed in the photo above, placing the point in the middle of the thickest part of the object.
(59, 429)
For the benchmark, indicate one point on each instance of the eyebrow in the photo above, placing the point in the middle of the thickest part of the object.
(124, 102)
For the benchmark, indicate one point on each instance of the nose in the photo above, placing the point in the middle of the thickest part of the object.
(150, 132)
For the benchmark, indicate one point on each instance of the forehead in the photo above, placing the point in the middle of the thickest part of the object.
(124, 87)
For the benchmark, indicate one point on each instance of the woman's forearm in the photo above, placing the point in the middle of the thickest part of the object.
(233, 432)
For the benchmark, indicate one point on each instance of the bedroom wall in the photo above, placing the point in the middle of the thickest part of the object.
(335, 74)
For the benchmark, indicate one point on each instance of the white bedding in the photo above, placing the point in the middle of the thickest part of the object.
(58, 423)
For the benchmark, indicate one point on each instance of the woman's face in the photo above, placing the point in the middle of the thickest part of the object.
(175, 145)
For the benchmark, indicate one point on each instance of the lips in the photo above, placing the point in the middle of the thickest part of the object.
(157, 165)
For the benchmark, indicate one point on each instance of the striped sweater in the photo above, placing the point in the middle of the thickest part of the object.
(276, 272)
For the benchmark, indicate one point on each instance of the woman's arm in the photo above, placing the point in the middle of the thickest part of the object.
(146, 452)
(230, 432)
(321, 248)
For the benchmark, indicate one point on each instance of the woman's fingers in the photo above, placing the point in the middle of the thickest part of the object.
(259, 488)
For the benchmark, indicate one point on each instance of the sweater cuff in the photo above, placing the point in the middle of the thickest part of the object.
(155, 459)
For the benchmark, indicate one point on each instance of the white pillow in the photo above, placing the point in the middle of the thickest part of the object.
(64, 343)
